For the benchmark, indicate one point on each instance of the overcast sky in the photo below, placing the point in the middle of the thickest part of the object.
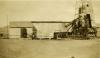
(38, 10)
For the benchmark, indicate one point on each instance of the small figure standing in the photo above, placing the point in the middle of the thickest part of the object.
(33, 36)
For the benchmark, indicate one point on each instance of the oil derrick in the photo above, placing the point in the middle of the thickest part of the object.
(81, 26)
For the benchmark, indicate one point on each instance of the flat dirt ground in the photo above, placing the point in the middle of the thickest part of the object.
(49, 48)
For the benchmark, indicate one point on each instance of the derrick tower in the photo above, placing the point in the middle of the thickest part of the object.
(82, 26)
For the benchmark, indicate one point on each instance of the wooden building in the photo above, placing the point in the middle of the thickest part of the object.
(20, 29)
(43, 29)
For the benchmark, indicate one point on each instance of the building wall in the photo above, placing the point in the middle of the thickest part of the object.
(16, 32)
(29, 32)
(45, 30)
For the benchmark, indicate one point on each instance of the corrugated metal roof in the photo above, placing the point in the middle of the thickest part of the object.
(19, 24)
(49, 22)
(28, 24)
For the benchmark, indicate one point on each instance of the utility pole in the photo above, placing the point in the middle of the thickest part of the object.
(7, 27)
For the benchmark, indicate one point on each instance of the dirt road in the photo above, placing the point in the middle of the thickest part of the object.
(49, 48)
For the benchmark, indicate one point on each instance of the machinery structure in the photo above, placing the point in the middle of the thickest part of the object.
(82, 25)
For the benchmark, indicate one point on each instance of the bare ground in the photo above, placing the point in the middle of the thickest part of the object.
(49, 48)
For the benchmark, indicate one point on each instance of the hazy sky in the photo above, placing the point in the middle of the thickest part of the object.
(30, 10)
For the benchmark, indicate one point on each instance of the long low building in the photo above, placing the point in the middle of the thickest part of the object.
(42, 29)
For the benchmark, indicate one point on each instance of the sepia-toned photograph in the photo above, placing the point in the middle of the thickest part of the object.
(49, 29)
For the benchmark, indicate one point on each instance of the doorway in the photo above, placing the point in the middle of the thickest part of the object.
(23, 33)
